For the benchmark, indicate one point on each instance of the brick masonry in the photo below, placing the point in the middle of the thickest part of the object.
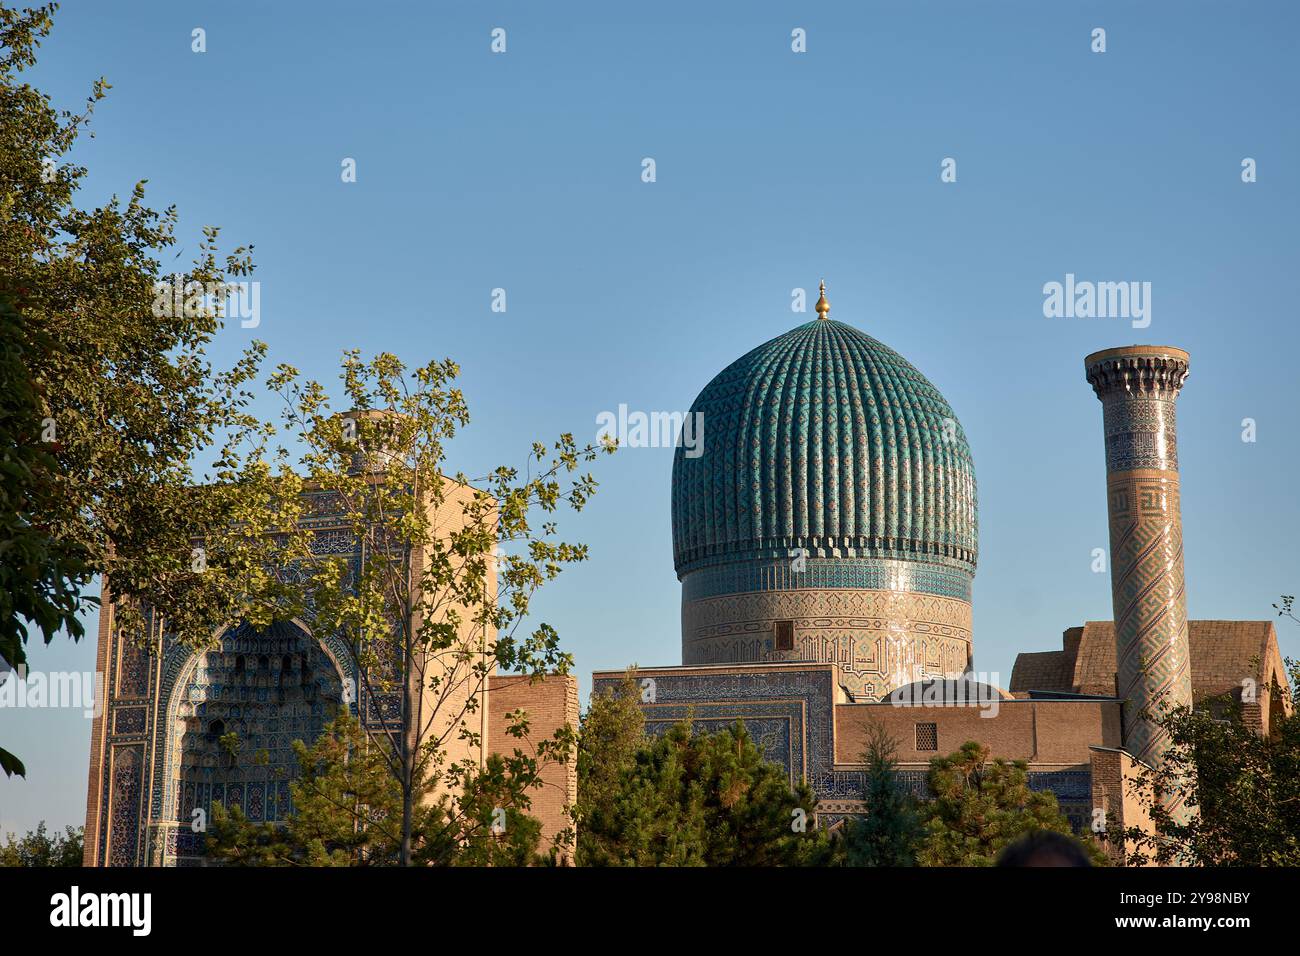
(550, 703)
(1228, 658)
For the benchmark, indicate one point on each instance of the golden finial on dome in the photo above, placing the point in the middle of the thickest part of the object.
(823, 307)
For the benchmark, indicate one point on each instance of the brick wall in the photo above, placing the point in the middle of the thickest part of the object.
(1040, 731)
(94, 787)
(1224, 654)
(1114, 773)
(550, 704)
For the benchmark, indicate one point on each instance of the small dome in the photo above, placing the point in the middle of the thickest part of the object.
(948, 691)
(827, 440)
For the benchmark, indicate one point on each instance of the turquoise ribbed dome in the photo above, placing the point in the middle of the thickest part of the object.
(825, 439)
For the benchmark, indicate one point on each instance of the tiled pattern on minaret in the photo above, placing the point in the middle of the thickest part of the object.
(1138, 387)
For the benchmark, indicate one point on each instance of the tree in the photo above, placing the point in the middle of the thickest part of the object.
(889, 832)
(449, 570)
(129, 403)
(693, 799)
(344, 806)
(116, 401)
(1243, 786)
(611, 735)
(979, 806)
(38, 848)
(347, 809)
(36, 572)
(485, 826)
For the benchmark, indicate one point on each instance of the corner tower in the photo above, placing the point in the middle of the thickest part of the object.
(1138, 386)
(831, 516)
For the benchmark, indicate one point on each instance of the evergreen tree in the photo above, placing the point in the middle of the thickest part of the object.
(492, 829)
(344, 803)
(693, 799)
(981, 805)
(347, 810)
(612, 732)
(889, 832)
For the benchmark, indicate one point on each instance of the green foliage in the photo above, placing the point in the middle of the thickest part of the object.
(38, 848)
(889, 833)
(612, 733)
(706, 800)
(348, 811)
(486, 826)
(345, 804)
(135, 405)
(450, 567)
(1243, 787)
(115, 402)
(40, 576)
(982, 805)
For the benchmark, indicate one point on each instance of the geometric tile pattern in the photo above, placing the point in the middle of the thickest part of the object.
(789, 713)
(834, 488)
(1140, 433)
(271, 688)
(158, 755)
(125, 787)
(1152, 662)
(792, 712)
(822, 573)
(879, 640)
(1138, 388)
(161, 758)
(826, 440)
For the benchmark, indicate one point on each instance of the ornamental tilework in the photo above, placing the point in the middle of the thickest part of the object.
(125, 657)
(333, 541)
(835, 492)
(1140, 433)
(132, 670)
(822, 573)
(129, 720)
(824, 440)
(777, 736)
(879, 640)
(179, 662)
(124, 805)
(1073, 792)
(802, 698)
(166, 740)
(1152, 651)
(271, 688)
(789, 713)
(1138, 387)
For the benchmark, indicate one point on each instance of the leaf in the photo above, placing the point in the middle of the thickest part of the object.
(11, 765)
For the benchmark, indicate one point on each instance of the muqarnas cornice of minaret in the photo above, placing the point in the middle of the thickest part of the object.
(1149, 370)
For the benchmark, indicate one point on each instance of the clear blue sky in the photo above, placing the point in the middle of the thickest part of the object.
(523, 171)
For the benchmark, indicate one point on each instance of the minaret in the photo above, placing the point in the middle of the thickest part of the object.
(1138, 386)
